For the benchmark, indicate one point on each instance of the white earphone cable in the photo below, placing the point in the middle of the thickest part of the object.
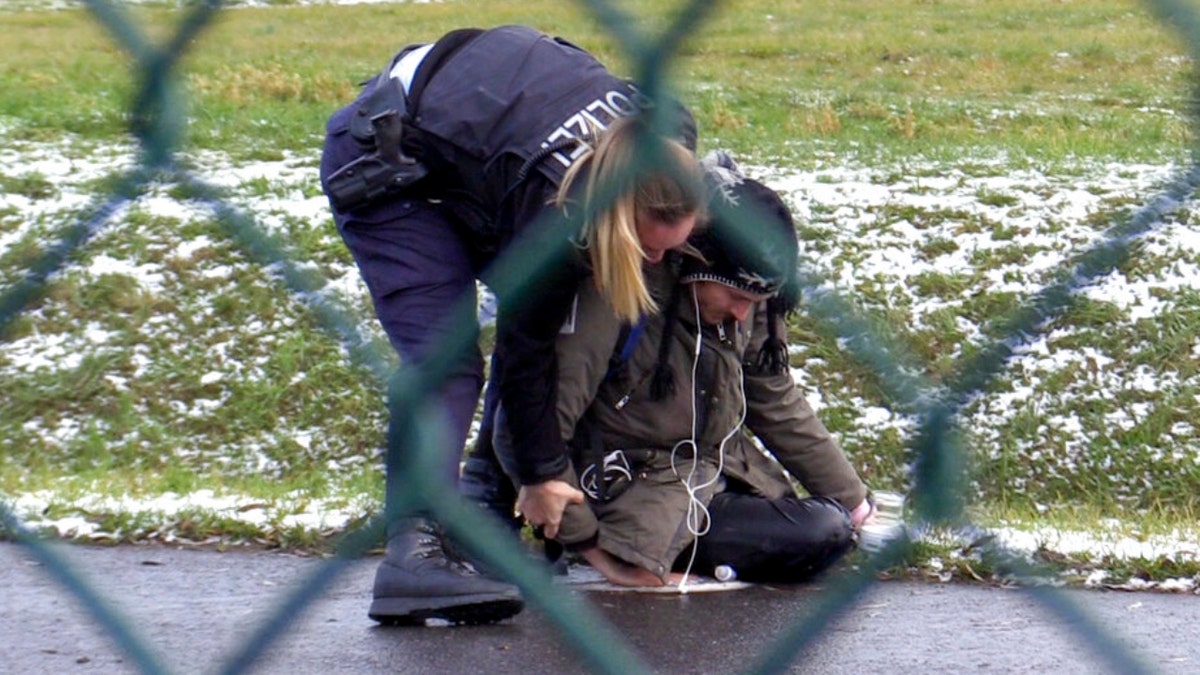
(698, 521)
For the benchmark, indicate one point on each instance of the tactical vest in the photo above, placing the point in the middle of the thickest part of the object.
(513, 91)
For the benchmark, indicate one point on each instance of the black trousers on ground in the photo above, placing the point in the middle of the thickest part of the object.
(773, 540)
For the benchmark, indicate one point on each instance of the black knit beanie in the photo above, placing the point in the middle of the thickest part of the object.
(750, 244)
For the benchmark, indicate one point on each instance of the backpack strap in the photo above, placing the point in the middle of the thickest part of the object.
(626, 342)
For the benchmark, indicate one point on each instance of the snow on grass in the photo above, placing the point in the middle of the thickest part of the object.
(92, 517)
(923, 240)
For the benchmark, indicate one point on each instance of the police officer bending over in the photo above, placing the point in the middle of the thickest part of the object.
(458, 152)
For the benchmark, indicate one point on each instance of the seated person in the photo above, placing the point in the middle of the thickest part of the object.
(658, 415)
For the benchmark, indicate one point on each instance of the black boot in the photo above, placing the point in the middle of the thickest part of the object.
(484, 483)
(417, 581)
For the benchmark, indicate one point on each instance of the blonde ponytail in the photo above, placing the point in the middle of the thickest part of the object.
(669, 189)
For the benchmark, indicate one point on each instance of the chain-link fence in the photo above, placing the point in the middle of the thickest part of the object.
(937, 495)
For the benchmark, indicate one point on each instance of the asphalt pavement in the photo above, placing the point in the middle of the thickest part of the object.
(196, 609)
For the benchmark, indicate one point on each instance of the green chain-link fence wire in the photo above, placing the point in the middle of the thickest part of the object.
(937, 495)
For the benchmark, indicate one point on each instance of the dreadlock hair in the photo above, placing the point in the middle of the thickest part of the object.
(662, 384)
(662, 380)
(773, 357)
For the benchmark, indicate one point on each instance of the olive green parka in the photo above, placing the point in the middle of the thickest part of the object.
(656, 516)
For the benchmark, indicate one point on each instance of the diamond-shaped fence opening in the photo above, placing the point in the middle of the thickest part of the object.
(157, 122)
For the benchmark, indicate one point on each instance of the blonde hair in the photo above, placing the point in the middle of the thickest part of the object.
(647, 173)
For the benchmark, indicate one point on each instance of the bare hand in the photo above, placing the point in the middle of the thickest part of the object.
(543, 504)
(862, 513)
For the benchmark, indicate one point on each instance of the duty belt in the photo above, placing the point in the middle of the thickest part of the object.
(383, 169)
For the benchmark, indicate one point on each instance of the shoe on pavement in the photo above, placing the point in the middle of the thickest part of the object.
(417, 581)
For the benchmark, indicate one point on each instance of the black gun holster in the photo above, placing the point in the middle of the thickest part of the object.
(383, 169)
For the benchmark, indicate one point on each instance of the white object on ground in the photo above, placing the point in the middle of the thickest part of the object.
(885, 525)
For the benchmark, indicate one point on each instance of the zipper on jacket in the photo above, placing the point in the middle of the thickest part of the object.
(723, 335)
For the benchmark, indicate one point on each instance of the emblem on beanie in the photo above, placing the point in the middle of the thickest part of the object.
(757, 280)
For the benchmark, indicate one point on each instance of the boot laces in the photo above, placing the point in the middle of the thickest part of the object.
(428, 546)
(434, 543)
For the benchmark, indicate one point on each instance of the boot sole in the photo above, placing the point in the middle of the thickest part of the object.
(466, 610)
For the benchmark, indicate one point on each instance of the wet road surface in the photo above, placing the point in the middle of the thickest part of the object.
(196, 608)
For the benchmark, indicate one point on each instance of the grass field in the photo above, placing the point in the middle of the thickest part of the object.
(946, 160)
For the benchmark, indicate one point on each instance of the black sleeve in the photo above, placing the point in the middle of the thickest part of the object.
(530, 315)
